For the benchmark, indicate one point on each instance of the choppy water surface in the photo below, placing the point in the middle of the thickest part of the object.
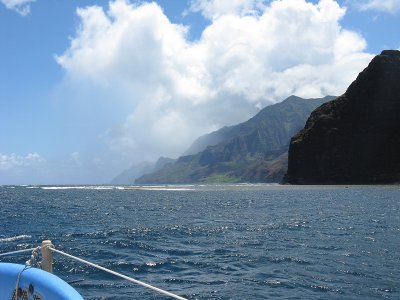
(215, 242)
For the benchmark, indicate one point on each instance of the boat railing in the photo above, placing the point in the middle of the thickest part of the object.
(47, 249)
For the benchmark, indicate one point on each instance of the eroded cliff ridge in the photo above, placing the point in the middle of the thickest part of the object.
(253, 151)
(354, 139)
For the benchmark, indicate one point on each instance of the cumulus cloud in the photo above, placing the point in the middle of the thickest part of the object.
(132, 62)
(390, 6)
(213, 9)
(23, 7)
(12, 161)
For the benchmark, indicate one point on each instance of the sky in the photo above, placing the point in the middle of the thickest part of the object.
(89, 88)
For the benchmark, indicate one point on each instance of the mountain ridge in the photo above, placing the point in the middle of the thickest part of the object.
(252, 151)
(128, 176)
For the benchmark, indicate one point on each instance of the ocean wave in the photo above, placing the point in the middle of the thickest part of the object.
(78, 187)
(61, 187)
(172, 187)
(161, 188)
(15, 238)
(216, 244)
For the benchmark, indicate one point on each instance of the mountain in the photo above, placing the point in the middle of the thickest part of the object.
(162, 162)
(128, 176)
(354, 139)
(210, 139)
(253, 151)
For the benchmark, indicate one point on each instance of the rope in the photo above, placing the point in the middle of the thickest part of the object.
(18, 251)
(33, 260)
(120, 275)
(18, 279)
(28, 264)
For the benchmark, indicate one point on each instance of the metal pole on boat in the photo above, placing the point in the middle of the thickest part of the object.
(47, 256)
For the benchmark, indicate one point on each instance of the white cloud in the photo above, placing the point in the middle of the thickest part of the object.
(76, 159)
(132, 62)
(72, 168)
(23, 7)
(12, 161)
(390, 6)
(213, 9)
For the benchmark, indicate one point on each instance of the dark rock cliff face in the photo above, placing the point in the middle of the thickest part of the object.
(356, 137)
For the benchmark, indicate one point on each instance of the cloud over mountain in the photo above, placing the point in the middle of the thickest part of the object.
(132, 62)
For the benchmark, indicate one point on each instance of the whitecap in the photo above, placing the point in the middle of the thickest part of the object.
(60, 187)
(78, 187)
(15, 238)
(161, 187)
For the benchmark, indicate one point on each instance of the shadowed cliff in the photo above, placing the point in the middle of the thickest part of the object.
(356, 137)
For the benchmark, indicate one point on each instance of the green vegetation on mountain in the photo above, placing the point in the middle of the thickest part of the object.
(253, 151)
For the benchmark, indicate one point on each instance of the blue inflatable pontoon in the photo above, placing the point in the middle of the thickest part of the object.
(33, 284)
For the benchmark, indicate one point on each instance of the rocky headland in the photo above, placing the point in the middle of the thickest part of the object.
(354, 139)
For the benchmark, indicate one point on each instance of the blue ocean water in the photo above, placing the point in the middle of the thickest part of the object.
(215, 242)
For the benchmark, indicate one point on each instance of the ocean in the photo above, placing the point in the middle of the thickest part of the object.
(214, 242)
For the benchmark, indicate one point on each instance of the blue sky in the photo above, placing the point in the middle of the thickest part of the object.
(88, 88)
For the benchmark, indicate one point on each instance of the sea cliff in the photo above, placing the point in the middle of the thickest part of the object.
(354, 139)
